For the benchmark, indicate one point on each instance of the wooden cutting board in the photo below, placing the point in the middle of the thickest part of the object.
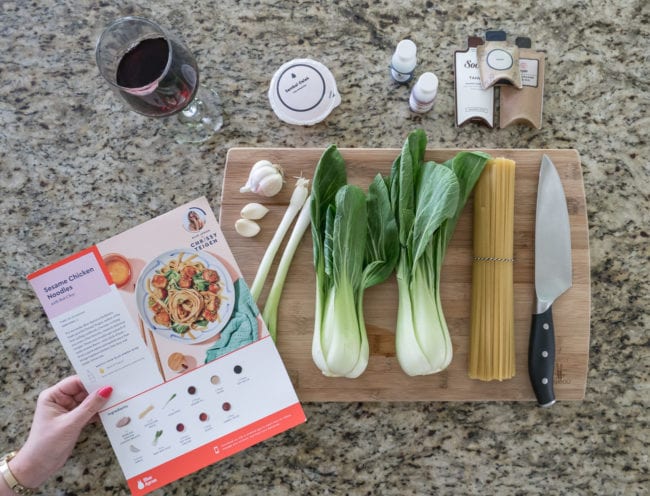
(383, 380)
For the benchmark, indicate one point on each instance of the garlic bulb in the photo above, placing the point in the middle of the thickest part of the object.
(247, 228)
(254, 211)
(264, 179)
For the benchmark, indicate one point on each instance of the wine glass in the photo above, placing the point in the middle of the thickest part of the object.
(157, 75)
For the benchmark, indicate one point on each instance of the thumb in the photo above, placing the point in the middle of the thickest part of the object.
(91, 405)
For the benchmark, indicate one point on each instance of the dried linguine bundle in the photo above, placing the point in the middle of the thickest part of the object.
(492, 343)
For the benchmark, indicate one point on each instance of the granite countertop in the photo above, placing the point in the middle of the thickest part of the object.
(77, 167)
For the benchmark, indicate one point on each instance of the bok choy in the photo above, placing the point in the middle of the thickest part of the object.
(427, 200)
(355, 247)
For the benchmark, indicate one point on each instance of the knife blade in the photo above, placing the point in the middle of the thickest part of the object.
(552, 277)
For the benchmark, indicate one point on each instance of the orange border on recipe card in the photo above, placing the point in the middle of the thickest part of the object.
(93, 249)
(217, 450)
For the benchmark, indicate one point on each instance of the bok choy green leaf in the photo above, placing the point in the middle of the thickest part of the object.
(427, 200)
(355, 247)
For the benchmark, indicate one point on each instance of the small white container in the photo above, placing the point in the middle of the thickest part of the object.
(424, 93)
(303, 92)
(404, 61)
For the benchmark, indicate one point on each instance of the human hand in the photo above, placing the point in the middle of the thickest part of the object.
(61, 413)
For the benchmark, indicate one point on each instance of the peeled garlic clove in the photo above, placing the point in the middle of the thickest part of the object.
(254, 211)
(247, 228)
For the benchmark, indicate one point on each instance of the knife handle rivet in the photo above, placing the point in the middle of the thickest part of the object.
(544, 380)
(546, 327)
(545, 354)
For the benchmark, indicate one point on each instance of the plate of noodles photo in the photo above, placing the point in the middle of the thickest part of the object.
(185, 296)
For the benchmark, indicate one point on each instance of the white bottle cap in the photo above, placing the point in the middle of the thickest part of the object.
(423, 95)
(404, 59)
(426, 87)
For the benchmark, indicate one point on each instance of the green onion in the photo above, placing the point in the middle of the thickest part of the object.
(270, 314)
(170, 398)
(296, 202)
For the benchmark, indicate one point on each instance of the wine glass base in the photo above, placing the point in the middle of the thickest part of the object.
(200, 120)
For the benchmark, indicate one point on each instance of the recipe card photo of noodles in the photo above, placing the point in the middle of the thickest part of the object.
(185, 296)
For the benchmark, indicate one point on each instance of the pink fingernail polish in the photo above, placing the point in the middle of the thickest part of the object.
(105, 392)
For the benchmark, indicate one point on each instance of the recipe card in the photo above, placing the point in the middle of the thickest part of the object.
(162, 314)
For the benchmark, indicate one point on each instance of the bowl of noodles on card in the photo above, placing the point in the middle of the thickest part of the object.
(185, 296)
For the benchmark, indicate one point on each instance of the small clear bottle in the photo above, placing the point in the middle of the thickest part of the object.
(424, 93)
(403, 62)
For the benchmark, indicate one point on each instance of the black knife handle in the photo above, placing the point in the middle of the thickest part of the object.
(541, 357)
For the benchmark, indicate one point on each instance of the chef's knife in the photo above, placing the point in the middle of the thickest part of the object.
(552, 277)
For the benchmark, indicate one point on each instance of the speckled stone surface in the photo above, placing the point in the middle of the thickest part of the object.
(77, 167)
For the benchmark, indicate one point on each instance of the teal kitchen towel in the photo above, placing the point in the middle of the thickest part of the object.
(242, 327)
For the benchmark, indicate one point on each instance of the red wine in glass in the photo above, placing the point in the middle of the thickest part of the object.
(157, 75)
(144, 83)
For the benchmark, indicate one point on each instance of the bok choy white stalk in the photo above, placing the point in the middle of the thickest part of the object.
(298, 197)
(355, 247)
(427, 199)
(270, 313)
